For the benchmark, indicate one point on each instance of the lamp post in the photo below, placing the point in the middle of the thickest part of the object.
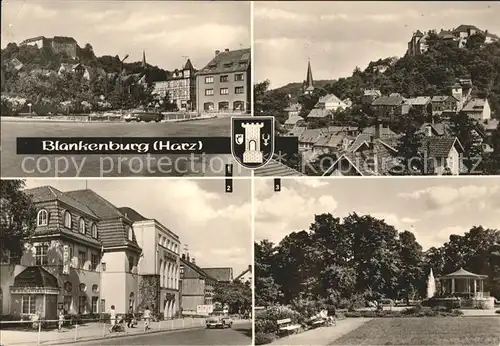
(29, 106)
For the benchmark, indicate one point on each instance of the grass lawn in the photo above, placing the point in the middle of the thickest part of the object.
(426, 331)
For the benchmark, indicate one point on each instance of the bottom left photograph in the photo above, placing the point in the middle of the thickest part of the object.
(125, 261)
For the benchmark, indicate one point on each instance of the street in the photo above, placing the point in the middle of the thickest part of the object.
(239, 334)
(14, 165)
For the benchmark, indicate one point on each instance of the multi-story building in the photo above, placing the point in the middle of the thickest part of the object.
(180, 87)
(59, 44)
(159, 266)
(197, 287)
(245, 276)
(81, 258)
(224, 85)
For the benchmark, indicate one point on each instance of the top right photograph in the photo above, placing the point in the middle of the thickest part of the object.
(380, 89)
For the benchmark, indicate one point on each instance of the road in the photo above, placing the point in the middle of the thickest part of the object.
(239, 334)
(14, 165)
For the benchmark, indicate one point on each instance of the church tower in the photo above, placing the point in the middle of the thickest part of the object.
(309, 82)
(144, 64)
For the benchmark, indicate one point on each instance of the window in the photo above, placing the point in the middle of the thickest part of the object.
(130, 234)
(95, 288)
(209, 80)
(94, 261)
(223, 79)
(82, 258)
(238, 77)
(82, 304)
(223, 106)
(130, 263)
(208, 106)
(68, 287)
(67, 219)
(239, 90)
(70, 255)
(41, 255)
(29, 304)
(67, 304)
(94, 231)
(209, 92)
(94, 304)
(103, 266)
(42, 218)
(224, 91)
(228, 65)
(238, 106)
(81, 225)
(83, 288)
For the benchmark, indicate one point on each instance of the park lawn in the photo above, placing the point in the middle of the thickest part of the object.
(426, 331)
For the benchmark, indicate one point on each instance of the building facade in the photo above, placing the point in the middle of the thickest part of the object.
(224, 85)
(59, 44)
(180, 87)
(159, 266)
(197, 287)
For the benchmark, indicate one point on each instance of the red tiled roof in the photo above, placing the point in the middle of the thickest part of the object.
(226, 62)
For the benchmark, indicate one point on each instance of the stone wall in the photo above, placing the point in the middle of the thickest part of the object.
(149, 293)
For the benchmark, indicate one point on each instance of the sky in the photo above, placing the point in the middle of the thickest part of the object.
(431, 208)
(168, 31)
(215, 225)
(337, 36)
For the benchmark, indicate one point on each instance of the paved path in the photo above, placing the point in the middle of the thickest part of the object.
(239, 334)
(323, 335)
(90, 331)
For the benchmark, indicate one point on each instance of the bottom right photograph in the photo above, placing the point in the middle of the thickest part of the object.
(377, 261)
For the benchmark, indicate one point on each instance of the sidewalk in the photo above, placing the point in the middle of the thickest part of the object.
(323, 335)
(91, 331)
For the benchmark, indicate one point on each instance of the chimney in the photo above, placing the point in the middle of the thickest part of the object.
(187, 257)
(226, 50)
(378, 130)
(217, 52)
(193, 260)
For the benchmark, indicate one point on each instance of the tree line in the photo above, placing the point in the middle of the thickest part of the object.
(347, 262)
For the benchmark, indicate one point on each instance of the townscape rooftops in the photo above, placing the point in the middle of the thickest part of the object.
(491, 124)
(49, 193)
(440, 146)
(475, 105)
(384, 131)
(372, 92)
(36, 277)
(220, 274)
(391, 100)
(419, 100)
(442, 98)
(276, 169)
(330, 98)
(132, 214)
(197, 269)
(228, 61)
(319, 113)
(246, 271)
(294, 119)
(295, 107)
(311, 135)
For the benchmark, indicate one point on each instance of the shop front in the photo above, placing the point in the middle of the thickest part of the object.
(35, 292)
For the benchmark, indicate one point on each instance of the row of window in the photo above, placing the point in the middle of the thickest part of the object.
(224, 106)
(42, 219)
(225, 91)
(29, 303)
(172, 246)
(41, 257)
(238, 77)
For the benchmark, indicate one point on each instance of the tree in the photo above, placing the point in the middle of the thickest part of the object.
(409, 151)
(464, 128)
(236, 295)
(18, 216)
(267, 292)
(269, 102)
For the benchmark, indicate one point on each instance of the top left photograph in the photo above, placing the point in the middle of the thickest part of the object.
(123, 88)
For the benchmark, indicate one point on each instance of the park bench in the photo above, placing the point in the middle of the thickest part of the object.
(285, 326)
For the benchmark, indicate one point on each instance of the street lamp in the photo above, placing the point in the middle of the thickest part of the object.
(29, 106)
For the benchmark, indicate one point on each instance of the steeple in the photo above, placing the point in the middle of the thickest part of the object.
(309, 78)
(144, 65)
(188, 65)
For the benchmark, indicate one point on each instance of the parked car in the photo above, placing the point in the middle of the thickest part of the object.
(219, 321)
(143, 116)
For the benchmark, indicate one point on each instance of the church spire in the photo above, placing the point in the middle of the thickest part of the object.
(144, 65)
(309, 79)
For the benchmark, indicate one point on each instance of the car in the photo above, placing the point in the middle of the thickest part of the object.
(143, 116)
(219, 321)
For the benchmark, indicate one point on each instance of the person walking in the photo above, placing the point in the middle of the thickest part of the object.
(112, 318)
(61, 320)
(130, 318)
(147, 318)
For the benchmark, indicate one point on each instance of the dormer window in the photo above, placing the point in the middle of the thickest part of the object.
(67, 219)
(42, 218)
(130, 234)
(94, 231)
(228, 65)
(81, 226)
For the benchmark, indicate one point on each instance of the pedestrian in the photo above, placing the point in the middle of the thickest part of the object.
(130, 318)
(112, 318)
(61, 320)
(147, 317)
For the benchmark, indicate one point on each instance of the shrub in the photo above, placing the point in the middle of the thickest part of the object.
(265, 325)
(263, 338)
(497, 312)
(448, 302)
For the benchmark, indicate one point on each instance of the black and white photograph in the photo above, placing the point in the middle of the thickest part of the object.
(347, 261)
(125, 261)
(380, 88)
(113, 69)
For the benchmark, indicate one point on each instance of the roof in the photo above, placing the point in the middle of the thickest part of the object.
(188, 65)
(36, 277)
(466, 27)
(372, 92)
(475, 105)
(392, 100)
(297, 131)
(384, 131)
(248, 270)
(309, 77)
(319, 113)
(276, 169)
(295, 107)
(464, 273)
(440, 129)
(419, 100)
(197, 269)
(330, 98)
(131, 214)
(226, 62)
(49, 193)
(100, 206)
(491, 124)
(64, 39)
(220, 274)
(439, 146)
(330, 141)
(310, 135)
(293, 120)
(337, 129)
(33, 39)
(442, 98)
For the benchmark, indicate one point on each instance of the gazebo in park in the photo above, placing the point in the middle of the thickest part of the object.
(466, 285)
